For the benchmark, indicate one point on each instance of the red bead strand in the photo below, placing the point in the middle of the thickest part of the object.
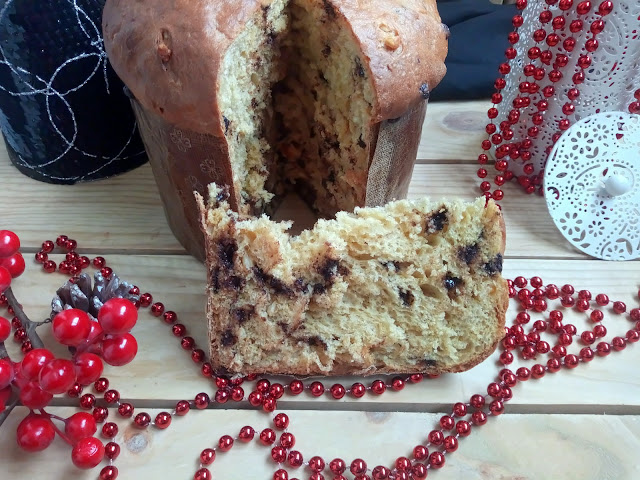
(522, 340)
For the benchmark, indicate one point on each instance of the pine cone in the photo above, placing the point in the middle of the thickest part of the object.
(79, 294)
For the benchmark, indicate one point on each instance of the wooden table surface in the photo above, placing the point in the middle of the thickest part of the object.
(579, 424)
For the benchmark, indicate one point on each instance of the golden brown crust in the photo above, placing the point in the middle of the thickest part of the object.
(405, 44)
(169, 52)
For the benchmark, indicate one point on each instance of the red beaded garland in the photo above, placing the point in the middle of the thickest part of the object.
(182, 408)
(267, 436)
(295, 459)
(517, 338)
(221, 396)
(142, 420)
(100, 414)
(109, 430)
(225, 443)
(163, 420)
(202, 474)
(246, 434)
(316, 464)
(202, 401)
(207, 456)
(281, 421)
(110, 472)
(112, 450)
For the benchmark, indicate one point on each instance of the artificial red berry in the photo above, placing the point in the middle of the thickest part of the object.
(57, 376)
(5, 329)
(87, 453)
(71, 327)
(35, 433)
(14, 264)
(5, 279)
(95, 334)
(88, 367)
(9, 243)
(5, 395)
(33, 362)
(80, 425)
(118, 350)
(7, 373)
(117, 315)
(34, 397)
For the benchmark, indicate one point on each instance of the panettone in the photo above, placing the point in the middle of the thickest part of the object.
(414, 286)
(324, 97)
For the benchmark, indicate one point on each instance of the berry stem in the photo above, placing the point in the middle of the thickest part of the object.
(56, 417)
(89, 347)
(62, 435)
(27, 324)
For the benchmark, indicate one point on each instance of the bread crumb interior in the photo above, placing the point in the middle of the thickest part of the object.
(297, 105)
(412, 286)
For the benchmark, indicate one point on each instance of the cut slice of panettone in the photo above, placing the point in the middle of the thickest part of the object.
(414, 286)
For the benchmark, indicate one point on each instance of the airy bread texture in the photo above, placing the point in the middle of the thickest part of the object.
(322, 97)
(414, 286)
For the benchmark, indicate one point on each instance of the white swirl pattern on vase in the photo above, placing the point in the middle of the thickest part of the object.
(31, 85)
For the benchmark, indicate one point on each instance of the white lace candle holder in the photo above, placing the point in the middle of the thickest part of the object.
(609, 82)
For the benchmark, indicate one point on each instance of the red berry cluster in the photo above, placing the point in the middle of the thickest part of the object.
(109, 337)
(40, 375)
(11, 260)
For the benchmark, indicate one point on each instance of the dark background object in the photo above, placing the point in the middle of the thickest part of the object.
(478, 40)
(63, 112)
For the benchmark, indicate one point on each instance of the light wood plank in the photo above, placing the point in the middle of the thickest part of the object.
(575, 447)
(124, 214)
(453, 131)
(162, 373)
(120, 213)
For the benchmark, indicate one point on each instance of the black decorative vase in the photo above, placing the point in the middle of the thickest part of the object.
(63, 111)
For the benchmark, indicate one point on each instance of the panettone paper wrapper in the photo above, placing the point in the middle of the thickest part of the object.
(184, 162)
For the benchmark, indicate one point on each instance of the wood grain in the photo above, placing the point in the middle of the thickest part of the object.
(124, 215)
(162, 373)
(120, 213)
(453, 131)
(510, 447)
